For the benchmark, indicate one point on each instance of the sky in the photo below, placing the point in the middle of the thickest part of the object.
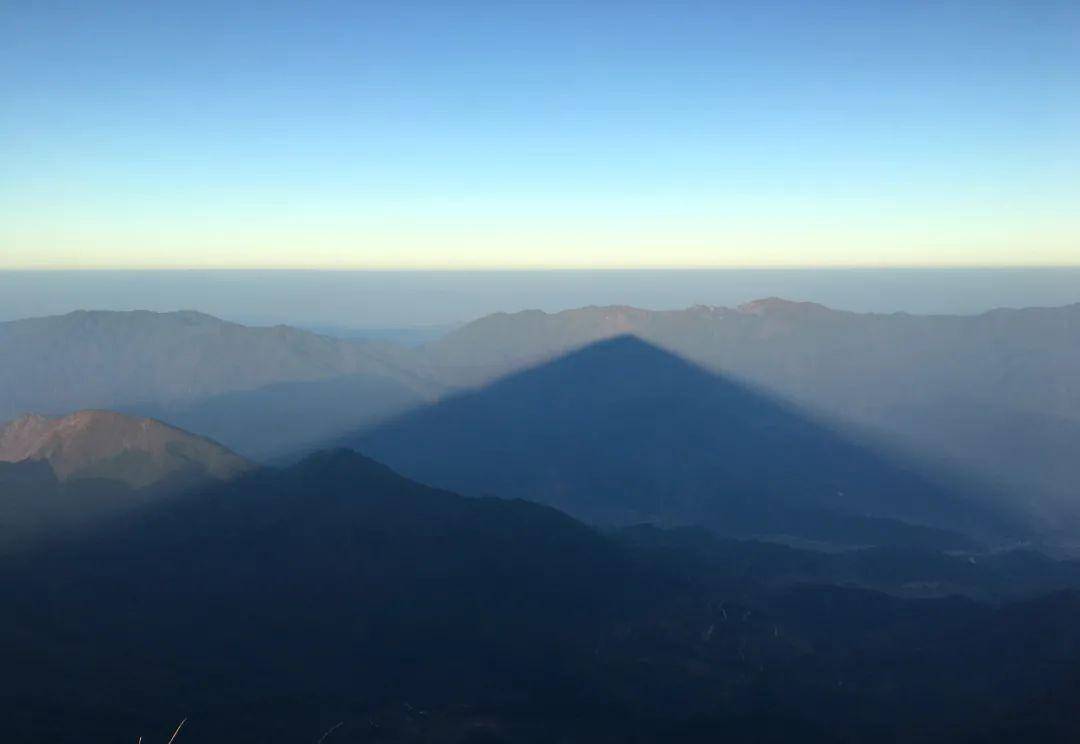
(472, 135)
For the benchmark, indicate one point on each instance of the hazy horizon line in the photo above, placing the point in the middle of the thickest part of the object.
(554, 268)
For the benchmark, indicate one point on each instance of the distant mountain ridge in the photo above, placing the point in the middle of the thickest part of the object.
(739, 338)
(101, 359)
(535, 334)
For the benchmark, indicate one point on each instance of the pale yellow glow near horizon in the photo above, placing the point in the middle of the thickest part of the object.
(542, 247)
(576, 230)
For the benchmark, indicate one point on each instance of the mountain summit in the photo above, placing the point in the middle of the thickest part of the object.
(103, 444)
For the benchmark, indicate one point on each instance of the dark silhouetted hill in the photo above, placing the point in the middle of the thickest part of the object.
(332, 583)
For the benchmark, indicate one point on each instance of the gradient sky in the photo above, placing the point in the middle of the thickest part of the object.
(538, 134)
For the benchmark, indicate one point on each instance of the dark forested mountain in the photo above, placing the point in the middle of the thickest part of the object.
(35, 504)
(994, 396)
(220, 379)
(622, 431)
(331, 586)
(336, 594)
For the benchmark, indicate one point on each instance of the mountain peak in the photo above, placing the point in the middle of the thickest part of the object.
(99, 443)
(774, 305)
(342, 460)
(194, 317)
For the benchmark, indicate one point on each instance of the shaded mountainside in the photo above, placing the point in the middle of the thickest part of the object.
(35, 505)
(333, 584)
(909, 572)
(273, 607)
(622, 431)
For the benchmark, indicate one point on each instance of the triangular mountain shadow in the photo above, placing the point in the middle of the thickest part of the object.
(622, 431)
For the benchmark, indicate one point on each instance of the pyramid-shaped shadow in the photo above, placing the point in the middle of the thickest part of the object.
(622, 431)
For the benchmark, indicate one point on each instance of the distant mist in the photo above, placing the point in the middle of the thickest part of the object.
(347, 301)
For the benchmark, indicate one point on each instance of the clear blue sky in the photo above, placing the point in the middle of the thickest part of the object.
(473, 134)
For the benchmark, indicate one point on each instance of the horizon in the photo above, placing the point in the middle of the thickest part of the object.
(345, 301)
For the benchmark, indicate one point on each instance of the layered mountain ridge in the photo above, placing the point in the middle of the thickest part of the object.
(107, 359)
(946, 390)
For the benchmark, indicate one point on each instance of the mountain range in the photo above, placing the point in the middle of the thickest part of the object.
(557, 546)
(988, 402)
